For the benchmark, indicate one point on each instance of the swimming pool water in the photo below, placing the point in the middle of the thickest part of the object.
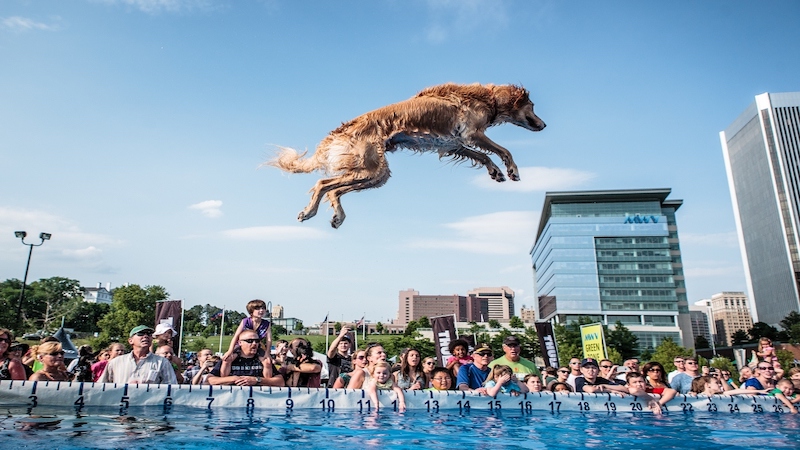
(194, 428)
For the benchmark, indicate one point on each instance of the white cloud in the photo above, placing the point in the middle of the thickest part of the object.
(209, 208)
(458, 17)
(158, 6)
(537, 179)
(19, 24)
(90, 252)
(727, 239)
(274, 233)
(499, 233)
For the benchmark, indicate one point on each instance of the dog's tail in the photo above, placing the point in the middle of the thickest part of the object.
(290, 160)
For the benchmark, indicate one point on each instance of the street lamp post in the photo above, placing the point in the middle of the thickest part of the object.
(22, 235)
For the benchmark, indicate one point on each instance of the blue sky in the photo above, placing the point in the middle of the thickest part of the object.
(132, 130)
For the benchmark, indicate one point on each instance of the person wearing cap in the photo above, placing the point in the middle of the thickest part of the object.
(521, 366)
(140, 365)
(339, 356)
(164, 334)
(590, 381)
(471, 376)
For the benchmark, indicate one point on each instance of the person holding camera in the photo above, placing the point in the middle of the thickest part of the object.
(202, 358)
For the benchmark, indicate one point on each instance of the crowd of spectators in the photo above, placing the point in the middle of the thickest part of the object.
(152, 359)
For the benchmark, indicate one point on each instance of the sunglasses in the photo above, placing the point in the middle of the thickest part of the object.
(605, 366)
(249, 341)
(361, 357)
(484, 354)
(144, 333)
(678, 361)
(765, 368)
(6, 340)
(61, 353)
(563, 371)
(691, 363)
(654, 370)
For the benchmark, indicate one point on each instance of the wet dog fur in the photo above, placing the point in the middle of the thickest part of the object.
(448, 119)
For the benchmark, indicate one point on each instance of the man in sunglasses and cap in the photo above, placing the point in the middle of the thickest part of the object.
(471, 376)
(140, 365)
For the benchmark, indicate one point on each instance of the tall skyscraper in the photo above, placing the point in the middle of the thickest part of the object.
(731, 314)
(613, 256)
(762, 158)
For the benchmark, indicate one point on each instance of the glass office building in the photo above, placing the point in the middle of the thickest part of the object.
(762, 158)
(613, 256)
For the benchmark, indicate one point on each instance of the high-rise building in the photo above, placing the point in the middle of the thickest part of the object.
(613, 256)
(762, 158)
(479, 305)
(528, 315)
(730, 313)
(499, 302)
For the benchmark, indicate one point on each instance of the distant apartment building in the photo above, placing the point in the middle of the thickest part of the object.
(613, 256)
(99, 294)
(499, 302)
(479, 305)
(701, 325)
(277, 312)
(761, 149)
(527, 315)
(731, 312)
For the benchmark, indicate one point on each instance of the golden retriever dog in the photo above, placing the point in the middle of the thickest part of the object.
(450, 119)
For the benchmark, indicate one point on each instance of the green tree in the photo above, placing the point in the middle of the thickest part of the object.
(396, 344)
(700, 341)
(494, 323)
(792, 319)
(379, 328)
(516, 322)
(298, 325)
(666, 351)
(9, 298)
(423, 322)
(740, 337)
(84, 316)
(337, 327)
(132, 305)
(411, 328)
(195, 344)
(623, 341)
(50, 299)
(761, 329)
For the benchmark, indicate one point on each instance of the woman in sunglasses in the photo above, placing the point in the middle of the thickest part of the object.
(562, 374)
(655, 377)
(52, 357)
(358, 362)
(10, 369)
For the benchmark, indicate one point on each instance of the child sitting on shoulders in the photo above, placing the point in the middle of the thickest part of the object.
(381, 379)
(257, 309)
(502, 379)
(459, 349)
(766, 352)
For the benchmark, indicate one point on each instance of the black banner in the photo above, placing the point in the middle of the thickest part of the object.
(444, 331)
(169, 312)
(547, 342)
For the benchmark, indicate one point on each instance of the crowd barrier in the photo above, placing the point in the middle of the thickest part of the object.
(80, 395)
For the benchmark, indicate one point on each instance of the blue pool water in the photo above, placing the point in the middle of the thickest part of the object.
(190, 428)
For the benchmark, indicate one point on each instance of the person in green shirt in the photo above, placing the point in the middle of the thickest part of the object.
(512, 359)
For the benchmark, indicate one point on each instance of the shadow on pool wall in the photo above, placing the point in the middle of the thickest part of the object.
(63, 394)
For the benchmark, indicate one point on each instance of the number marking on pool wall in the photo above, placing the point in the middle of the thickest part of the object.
(33, 394)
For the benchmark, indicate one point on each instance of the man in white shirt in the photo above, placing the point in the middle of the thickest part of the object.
(140, 365)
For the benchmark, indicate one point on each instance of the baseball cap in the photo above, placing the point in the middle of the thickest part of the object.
(511, 340)
(163, 328)
(589, 362)
(138, 329)
(482, 348)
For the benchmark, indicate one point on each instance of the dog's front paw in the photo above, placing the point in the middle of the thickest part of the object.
(337, 220)
(513, 175)
(499, 177)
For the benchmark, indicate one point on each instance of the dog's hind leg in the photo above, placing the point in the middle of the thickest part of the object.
(480, 140)
(320, 188)
(334, 195)
(478, 159)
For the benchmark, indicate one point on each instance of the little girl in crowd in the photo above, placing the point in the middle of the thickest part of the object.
(381, 379)
(459, 349)
(256, 322)
(765, 350)
(502, 379)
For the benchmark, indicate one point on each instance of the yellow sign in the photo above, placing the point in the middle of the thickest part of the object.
(594, 342)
